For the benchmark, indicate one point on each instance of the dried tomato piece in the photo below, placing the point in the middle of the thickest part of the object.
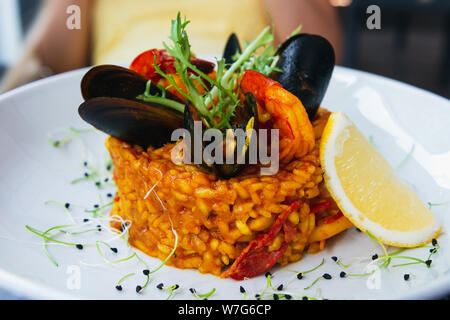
(143, 63)
(256, 257)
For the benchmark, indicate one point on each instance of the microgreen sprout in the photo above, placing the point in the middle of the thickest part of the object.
(170, 289)
(300, 274)
(406, 159)
(204, 296)
(430, 204)
(119, 283)
(100, 177)
(65, 207)
(65, 136)
(326, 276)
(387, 257)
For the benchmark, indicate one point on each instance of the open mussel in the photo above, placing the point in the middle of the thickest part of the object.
(111, 105)
(130, 121)
(245, 120)
(306, 62)
(115, 82)
(231, 48)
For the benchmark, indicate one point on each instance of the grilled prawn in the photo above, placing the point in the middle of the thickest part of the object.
(280, 109)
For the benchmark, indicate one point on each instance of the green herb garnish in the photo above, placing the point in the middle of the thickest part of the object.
(215, 106)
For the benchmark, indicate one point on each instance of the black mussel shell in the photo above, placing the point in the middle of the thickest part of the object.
(307, 62)
(231, 48)
(131, 121)
(241, 120)
(115, 82)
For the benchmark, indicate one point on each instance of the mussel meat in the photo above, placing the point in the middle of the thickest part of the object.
(307, 62)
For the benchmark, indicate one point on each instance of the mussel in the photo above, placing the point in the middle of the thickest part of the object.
(306, 62)
(131, 121)
(111, 105)
(231, 48)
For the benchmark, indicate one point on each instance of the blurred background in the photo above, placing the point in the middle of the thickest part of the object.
(413, 44)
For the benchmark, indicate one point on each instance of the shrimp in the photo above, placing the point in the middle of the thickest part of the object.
(281, 110)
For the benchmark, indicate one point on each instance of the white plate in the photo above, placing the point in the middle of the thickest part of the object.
(394, 115)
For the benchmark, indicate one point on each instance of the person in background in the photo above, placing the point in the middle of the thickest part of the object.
(116, 31)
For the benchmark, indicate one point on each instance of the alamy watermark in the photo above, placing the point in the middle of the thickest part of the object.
(73, 281)
(238, 146)
(73, 22)
(373, 22)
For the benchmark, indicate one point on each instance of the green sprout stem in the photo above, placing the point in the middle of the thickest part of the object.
(204, 296)
(263, 38)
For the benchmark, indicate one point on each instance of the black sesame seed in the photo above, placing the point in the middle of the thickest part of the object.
(357, 229)
(119, 287)
(99, 228)
(241, 288)
(98, 184)
(108, 167)
(375, 257)
(257, 296)
(160, 286)
(67, 205)
(299, 275)
(176, 287)
(192, 290)
(267, 274)
(138, 289)
(85, 163)
(79, 246)
(334, 258)
(86, 174)
(96, 206)
(146, 272)
(280, 287)
(342, 274)
(434, 242)
(433, 250)
(428, 262)
(109, 195)
(406, 277)
(326, 276)
(85, 220)
(106, 180)
(288, 296)
(275, 297)
(304, 298)
(114, 250)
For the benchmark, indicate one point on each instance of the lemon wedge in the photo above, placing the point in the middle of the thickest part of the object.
(367, 191)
